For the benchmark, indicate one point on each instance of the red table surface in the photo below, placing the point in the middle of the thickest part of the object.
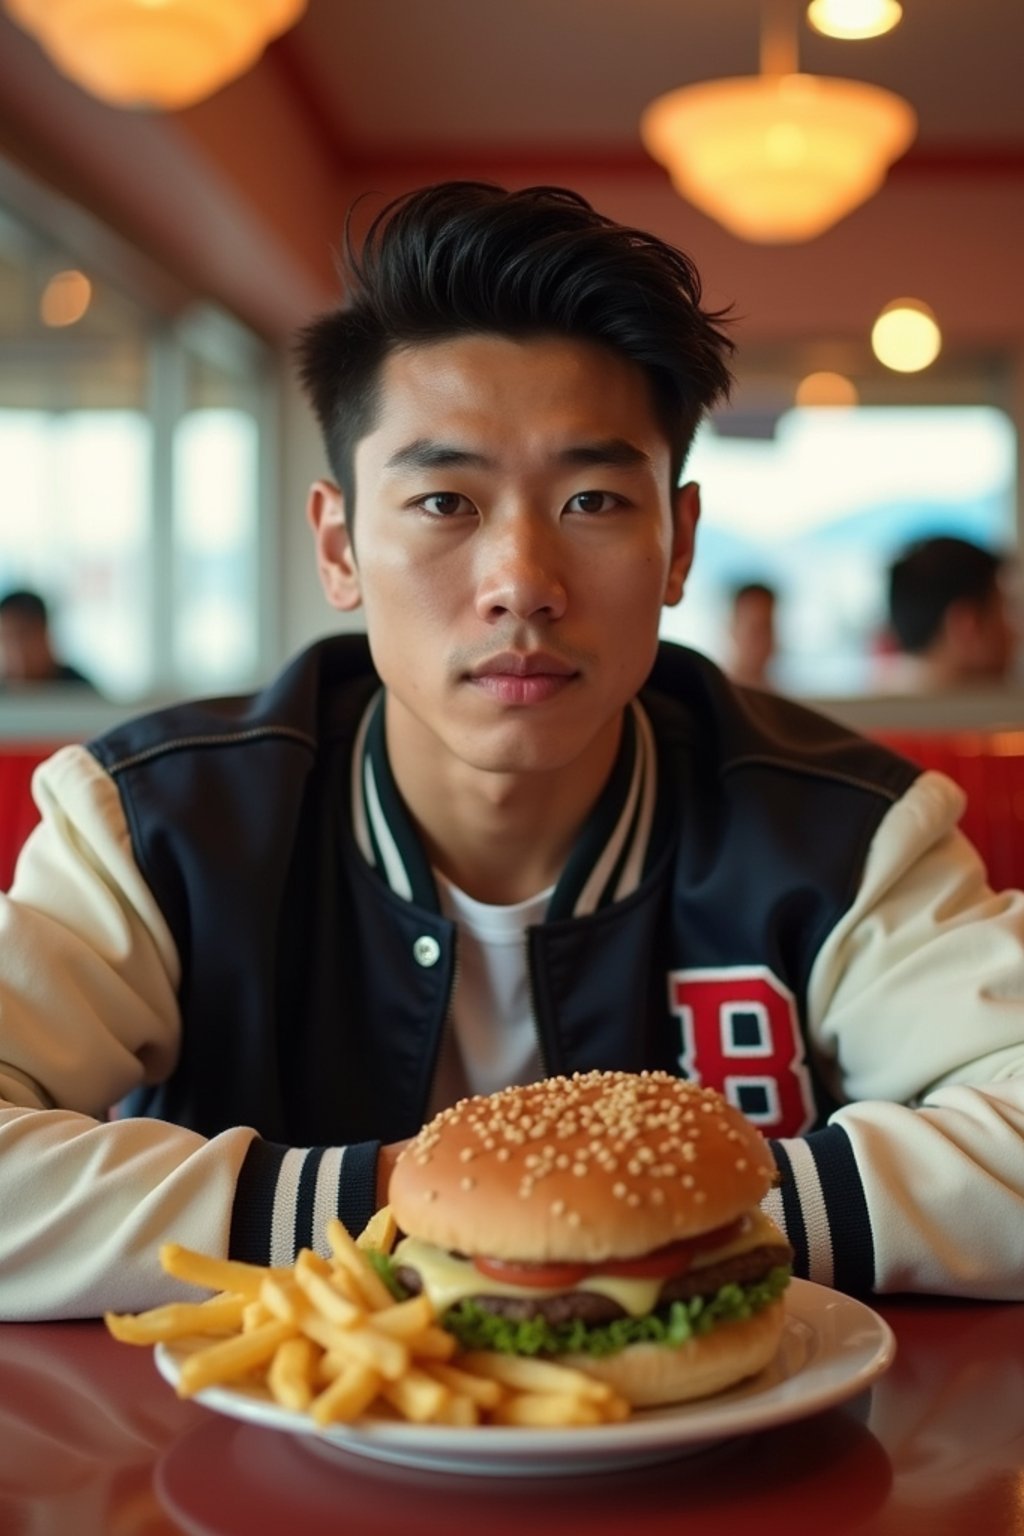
(94, 1443)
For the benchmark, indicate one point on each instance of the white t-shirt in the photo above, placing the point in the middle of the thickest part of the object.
(490, 1038)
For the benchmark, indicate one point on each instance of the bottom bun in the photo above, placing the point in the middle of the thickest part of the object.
(648, 1374)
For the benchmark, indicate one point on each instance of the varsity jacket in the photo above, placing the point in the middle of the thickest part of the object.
(227, 927)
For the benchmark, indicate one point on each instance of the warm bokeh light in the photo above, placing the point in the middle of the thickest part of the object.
(826, 388)
(852, 19)
(65, 298)
(154, 53)
(778, 157)
(906, 336)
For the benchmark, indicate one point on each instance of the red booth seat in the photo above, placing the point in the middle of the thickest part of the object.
(18, 813)
(989, 767)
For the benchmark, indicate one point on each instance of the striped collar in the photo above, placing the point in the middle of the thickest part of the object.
(609, 860)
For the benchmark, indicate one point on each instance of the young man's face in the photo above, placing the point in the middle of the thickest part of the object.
(982, 639)
(25, 655)
(753, 633)
(515, 538)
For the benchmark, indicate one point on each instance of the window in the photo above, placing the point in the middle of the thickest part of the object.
(75, 525)
(216, 636)
(819, 509)
(134, 445)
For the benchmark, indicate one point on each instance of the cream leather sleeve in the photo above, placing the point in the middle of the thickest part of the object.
(88, 971)
(916, 1006)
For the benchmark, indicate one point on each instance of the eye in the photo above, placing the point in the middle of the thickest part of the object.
(444, 504)
(594, 501)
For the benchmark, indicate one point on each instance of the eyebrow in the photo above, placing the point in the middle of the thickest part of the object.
(612, 452)
(424, 453)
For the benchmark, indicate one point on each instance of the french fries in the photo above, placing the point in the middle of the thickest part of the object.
(179, 1318)
(325, 1337)
(380, 1231)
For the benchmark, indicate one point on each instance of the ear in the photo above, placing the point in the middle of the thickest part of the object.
(335, 557)
(685, 514)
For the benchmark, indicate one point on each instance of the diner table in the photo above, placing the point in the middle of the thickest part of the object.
(94, 1442)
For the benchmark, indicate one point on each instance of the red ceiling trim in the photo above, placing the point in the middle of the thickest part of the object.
(981, 159)
(566, 162)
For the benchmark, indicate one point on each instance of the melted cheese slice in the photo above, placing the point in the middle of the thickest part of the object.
(447, 1279)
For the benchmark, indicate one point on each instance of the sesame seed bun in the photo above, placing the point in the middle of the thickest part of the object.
(597, 1166)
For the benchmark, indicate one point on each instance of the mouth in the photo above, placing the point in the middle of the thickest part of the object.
(523, 677)
(524, 664)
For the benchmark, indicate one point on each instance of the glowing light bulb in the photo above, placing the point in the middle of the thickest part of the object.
(854, 19)
(906, 336)
(65, 298)
(826, 388)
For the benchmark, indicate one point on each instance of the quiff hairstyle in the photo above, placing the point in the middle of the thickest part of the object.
(465, 257)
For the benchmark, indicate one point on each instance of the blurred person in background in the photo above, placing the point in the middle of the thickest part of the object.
(27, 656)
(949, 615)
(752, 637)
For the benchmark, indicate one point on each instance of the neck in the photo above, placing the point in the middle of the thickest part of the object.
(938, 673)
(500, 837)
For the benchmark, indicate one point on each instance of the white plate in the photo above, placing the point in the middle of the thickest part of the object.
(832, 1347)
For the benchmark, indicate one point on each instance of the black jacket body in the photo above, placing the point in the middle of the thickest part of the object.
(305, 1010)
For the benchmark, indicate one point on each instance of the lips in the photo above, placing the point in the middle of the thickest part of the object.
(523, 664)
(518, 677)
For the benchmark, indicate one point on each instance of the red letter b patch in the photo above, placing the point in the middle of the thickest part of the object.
(740, 1034)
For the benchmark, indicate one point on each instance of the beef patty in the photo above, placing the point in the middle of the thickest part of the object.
(593, 1309)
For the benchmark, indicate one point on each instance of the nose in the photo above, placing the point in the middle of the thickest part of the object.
(520, 573)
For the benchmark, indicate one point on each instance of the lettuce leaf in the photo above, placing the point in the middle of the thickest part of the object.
(673, 1325)
(385, 1267)
(476, 1328)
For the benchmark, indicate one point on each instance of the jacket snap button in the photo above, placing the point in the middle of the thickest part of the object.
(426, 950)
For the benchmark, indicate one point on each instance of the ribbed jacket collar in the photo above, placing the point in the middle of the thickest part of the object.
(611, 855)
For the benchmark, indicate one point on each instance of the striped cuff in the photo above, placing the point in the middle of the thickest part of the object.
(821, 1207)
(285, 1197)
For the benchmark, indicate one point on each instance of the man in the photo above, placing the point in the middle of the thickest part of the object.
(27, 657)
(505, 836)
(752, 640)
(948, 612)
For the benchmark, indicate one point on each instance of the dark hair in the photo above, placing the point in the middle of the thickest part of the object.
(931, 576)
(466, 257)
(752, 589)
(25, 604)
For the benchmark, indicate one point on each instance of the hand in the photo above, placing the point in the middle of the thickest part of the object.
(386, 1159)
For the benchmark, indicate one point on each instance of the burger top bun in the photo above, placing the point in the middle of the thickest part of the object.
(595, 1166)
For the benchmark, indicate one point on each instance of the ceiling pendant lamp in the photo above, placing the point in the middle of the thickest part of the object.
(154, 53)
(854, 18)
(780, 156)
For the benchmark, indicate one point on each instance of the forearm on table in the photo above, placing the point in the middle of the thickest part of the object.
(87, 1204)
(927, 1199)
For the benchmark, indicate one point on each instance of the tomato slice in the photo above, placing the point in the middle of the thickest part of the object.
(561, 1277)
(673, 1259)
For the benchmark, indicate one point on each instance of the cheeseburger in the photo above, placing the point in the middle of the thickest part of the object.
(610, 1220)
